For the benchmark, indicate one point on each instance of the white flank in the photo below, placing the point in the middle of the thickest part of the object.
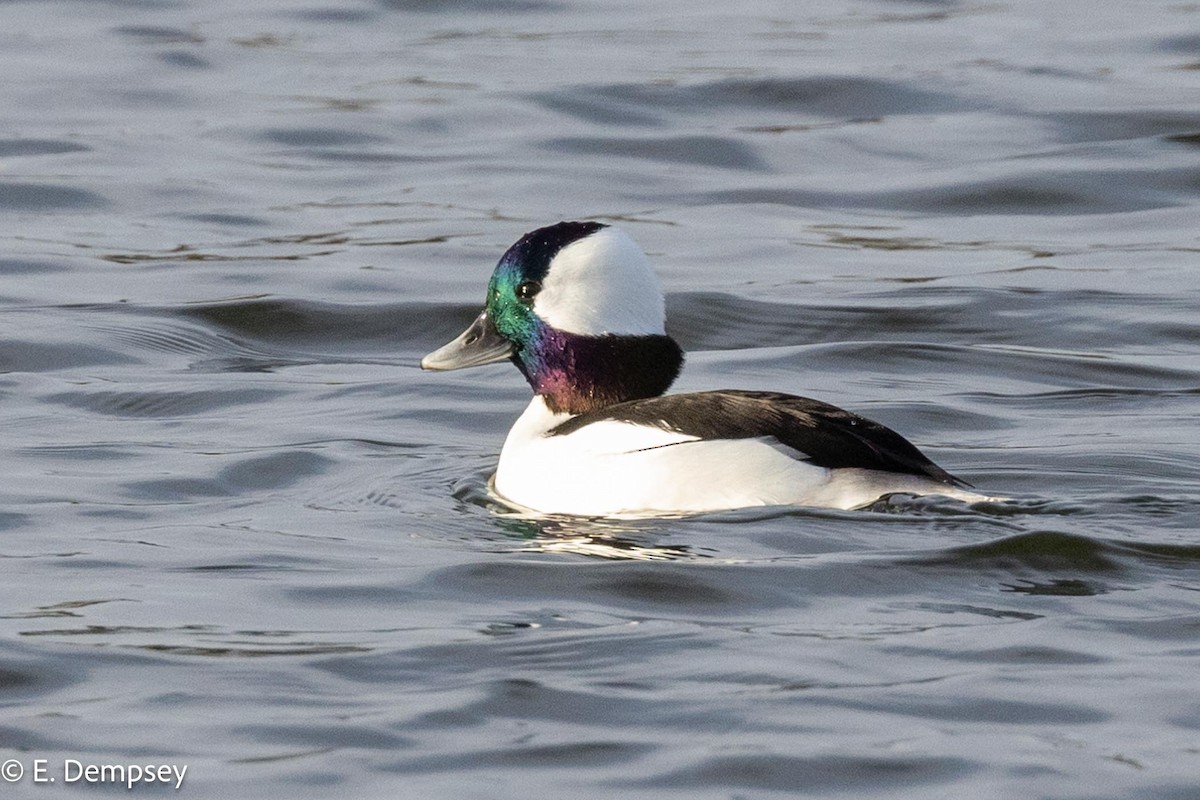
(620, 469)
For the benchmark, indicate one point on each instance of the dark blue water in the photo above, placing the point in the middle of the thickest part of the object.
(241, 531)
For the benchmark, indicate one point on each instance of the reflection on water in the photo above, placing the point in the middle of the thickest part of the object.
(605, 541)
(548, 533)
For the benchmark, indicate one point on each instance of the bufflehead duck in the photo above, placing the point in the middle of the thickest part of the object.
(578, 309)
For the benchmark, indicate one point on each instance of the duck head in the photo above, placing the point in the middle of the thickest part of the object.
(578, 309)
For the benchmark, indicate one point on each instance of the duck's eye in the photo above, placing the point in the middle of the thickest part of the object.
(527, 290)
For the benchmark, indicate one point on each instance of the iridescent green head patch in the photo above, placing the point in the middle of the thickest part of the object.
(519, 275)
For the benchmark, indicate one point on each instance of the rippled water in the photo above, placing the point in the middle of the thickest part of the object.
(240, 530)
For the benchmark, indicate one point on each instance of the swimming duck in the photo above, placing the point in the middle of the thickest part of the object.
(577, 308)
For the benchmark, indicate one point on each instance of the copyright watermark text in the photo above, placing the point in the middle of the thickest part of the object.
(70, 770)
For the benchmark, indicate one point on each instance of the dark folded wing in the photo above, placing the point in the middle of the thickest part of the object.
(822, 434)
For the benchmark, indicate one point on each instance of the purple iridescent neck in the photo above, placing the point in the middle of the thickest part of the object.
(576, 373)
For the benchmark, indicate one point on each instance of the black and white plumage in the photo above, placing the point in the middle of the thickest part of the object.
(577, 308)
(819, 433)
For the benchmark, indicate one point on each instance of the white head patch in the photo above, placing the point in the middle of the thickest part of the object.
(602, 283)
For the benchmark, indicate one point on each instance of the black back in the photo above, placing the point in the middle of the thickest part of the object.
(822, 434)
